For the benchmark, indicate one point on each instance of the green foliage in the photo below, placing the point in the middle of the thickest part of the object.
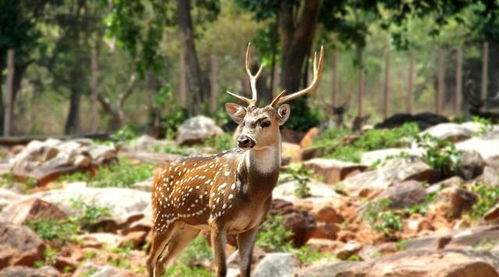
(307, 255)
(121, 174)
(221, 142)
(439, 154)
(164, 100)
(121, 258)
(486, 125)
(272, 235)
(331, 141)
(64, 230)
(123, 135)
(488, 196)
(49, 255)
(381, 219)
(301, 175)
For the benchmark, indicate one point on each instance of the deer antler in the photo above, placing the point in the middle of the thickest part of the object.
(318, 65)
(253, 78)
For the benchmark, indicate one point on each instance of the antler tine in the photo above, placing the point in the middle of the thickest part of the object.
(276, 99)
(318, 65)
(253, 78)
(241, 98)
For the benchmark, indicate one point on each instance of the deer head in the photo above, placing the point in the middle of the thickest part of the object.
(259, 127)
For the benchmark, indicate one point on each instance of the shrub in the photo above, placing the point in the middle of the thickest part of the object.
(221, 142)
(273, 236)
(382, 220)
(488, 196)
(486, 125)
(301, 175)
(439, 154)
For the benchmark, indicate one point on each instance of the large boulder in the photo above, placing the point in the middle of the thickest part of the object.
(471, 164)
(453, 201)
(487, 146)
(31, 209)
(299, 222)
(197, 129)
(149, 144)
(19, 245)
(46, 160)
(392, 172)
(277, 265)
(335, 269)
(451, 131)
(125, 205)
(332, 170)
(320, 193)
(436, 263)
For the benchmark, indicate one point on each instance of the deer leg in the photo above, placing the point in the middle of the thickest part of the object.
(245, 243)
(178, 241)
(158, 242)
(218, 241)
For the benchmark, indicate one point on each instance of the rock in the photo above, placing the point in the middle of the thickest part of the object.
(277, 265)
(332, 170)
(488, 148)
(474, 238)
(290, 153)
(257, 255)
(438, 263)
(424, 120)
(145, 185)
(7, 197)
(451, 202)
(335, 269)
(125, 205)
(197, 129)
(325, 245)
(493, 214)
(19, 245)
(404, 195)
(320, 193)
(450, 131)
(392, 172)
(93, 270)
(102, 239)
(31, 209)
(24, 271)
(149, 144)
(324, 231)
(299, 222)
(45, 161)
(491, 175)
(326, 213)
(471, 165)
(371, 157)
(136, 239)
(348, 250)
(309, 137)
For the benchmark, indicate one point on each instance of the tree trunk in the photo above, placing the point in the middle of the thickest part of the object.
(73, 120)
(441, 81)
(9, 104)
(335, 86)
(296, 38)
(459, 82)
(182, 83)
(410, 89)
(94, 84)
(387, 96)
(213, 83)
(485, 71)
(194, 78)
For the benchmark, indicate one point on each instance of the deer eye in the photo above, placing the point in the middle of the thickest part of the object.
(265, 123)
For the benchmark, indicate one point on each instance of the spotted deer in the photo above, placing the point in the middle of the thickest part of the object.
(228, 193)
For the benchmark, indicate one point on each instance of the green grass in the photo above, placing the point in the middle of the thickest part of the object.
(383, 220)
(122, 174)
(221, 142)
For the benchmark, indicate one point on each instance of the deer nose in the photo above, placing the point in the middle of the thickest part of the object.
(245, 142)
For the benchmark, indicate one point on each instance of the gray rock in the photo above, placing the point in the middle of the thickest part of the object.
(405, 194)
(471, 164)
(451, 131)
(488, 147)
(335, 269)
(277, 265)
(197, 129)
(7, 197)
(93, 270)
(19, 245)
(148, 143)
(391, 172)
(125, 205)
(24, 271)
(491, 175)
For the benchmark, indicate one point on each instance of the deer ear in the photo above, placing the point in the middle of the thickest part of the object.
(235, 111)
(283, 113)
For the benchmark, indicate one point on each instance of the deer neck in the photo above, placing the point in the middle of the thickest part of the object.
(262, 169)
